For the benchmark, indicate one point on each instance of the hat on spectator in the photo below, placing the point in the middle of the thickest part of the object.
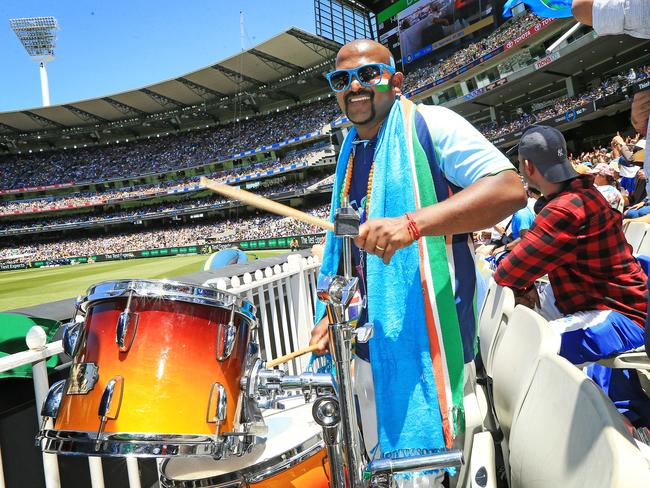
(545, 147)
(603, 169)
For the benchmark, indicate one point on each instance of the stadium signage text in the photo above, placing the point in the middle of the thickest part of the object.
(525, 35)
(11, 266)
(547, 60)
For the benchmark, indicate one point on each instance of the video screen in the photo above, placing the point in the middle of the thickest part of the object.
(427, 25)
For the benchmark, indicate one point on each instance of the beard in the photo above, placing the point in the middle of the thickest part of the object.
(372, 114)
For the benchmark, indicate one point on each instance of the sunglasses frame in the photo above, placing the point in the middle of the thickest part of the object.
(354, 73)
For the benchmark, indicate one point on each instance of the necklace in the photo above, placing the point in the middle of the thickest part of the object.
(345, 189)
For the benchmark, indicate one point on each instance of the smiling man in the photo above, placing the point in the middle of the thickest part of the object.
(422, 179)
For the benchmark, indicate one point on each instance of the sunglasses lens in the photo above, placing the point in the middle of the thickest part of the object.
(370, 74)
(339, 80)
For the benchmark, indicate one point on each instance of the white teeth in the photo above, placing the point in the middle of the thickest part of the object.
(360, 99)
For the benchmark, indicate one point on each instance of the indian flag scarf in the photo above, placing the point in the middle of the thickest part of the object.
(416, 352)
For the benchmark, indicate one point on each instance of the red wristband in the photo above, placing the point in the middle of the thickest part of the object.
(414, 232)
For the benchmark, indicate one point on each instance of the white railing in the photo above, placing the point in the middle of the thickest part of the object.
(286, 298)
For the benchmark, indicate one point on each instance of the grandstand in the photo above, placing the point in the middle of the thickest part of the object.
(117, 177)
(128, 165)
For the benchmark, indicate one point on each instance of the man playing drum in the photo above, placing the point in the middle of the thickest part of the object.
(422, 179)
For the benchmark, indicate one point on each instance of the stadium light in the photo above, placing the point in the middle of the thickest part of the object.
(38, 37)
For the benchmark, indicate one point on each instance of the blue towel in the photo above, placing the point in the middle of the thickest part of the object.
(408, 412)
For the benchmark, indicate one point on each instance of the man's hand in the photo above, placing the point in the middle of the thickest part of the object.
(384, 236)
(641, 111)
(497, 250)
(320, 336)
(529, 299)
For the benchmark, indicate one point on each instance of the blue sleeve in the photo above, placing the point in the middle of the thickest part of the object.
(465, 155)
(521, 220)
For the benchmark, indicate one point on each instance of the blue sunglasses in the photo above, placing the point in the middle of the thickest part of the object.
(367, 74)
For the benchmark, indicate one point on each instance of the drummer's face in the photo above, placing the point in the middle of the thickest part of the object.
(366, 106)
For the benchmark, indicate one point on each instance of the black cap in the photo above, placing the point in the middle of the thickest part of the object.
(545, 147)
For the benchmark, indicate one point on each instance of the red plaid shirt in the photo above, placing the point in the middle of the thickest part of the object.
(577, 238)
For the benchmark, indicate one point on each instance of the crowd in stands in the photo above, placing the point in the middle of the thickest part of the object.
(561, 105)
(258, 227)
(279, 185)
(155, 155)
(434, 70)
(142, 191)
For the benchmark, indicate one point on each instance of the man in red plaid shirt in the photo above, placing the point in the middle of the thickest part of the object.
(597, 298)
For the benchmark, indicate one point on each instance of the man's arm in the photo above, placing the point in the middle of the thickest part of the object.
(582, 11)
(608, 17)
(478, 206)
(548, 244)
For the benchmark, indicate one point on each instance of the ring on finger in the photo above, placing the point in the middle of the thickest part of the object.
(380, 249)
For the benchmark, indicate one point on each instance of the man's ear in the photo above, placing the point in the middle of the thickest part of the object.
(396, 80)
(530, 167)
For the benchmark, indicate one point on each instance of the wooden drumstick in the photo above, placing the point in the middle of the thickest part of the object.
(264, 203)
(291, 355)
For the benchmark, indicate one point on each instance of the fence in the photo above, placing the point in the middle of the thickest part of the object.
(286, 298)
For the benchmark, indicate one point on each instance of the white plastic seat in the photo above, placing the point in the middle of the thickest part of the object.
(644, 247)
(527, 336)
(568, 434)
(635, 233)
(497, 308)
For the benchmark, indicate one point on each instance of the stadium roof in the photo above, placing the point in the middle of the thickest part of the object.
(281, 71)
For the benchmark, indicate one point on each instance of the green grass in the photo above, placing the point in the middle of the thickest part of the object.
(26, 287)
(23, 288)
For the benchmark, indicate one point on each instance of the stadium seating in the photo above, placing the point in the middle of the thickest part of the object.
(567, 433)
(635, 233)
(494, 316)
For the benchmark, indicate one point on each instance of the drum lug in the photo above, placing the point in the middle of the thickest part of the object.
(71, 334)
(109, 405)
(217, 406)
(83, 377)
(52, 402)
(226, 337)
(125, 333)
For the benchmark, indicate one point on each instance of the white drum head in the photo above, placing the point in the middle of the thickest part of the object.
(287, 429)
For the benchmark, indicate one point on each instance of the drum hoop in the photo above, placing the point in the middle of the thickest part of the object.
(144, 445)
(257, 472)
(169, 290)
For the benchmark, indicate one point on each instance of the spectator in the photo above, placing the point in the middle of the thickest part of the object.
(577, 239)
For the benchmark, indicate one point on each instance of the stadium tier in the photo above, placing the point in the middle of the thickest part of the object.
(137, 176)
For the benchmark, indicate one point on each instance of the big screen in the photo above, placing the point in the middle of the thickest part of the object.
(412, 29)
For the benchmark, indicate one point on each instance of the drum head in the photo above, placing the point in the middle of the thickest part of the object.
(168, 290)
(291, 432)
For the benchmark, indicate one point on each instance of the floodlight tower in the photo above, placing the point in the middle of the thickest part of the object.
(38, 37)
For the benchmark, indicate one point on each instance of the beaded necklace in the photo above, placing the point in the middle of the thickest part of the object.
(345, 189)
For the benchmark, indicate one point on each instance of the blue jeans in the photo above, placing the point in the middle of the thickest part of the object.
(635, 213)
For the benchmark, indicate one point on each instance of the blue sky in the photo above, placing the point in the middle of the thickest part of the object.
(109, 46)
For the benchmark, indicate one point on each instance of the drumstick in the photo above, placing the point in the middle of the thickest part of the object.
(291, 355)
(264, 203)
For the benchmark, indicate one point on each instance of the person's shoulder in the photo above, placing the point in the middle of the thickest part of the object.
(435, 111)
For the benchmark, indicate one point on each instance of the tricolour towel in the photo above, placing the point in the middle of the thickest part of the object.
(416, 352)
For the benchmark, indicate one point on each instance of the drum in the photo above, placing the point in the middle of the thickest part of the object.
(156, 370)
(293, 456)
